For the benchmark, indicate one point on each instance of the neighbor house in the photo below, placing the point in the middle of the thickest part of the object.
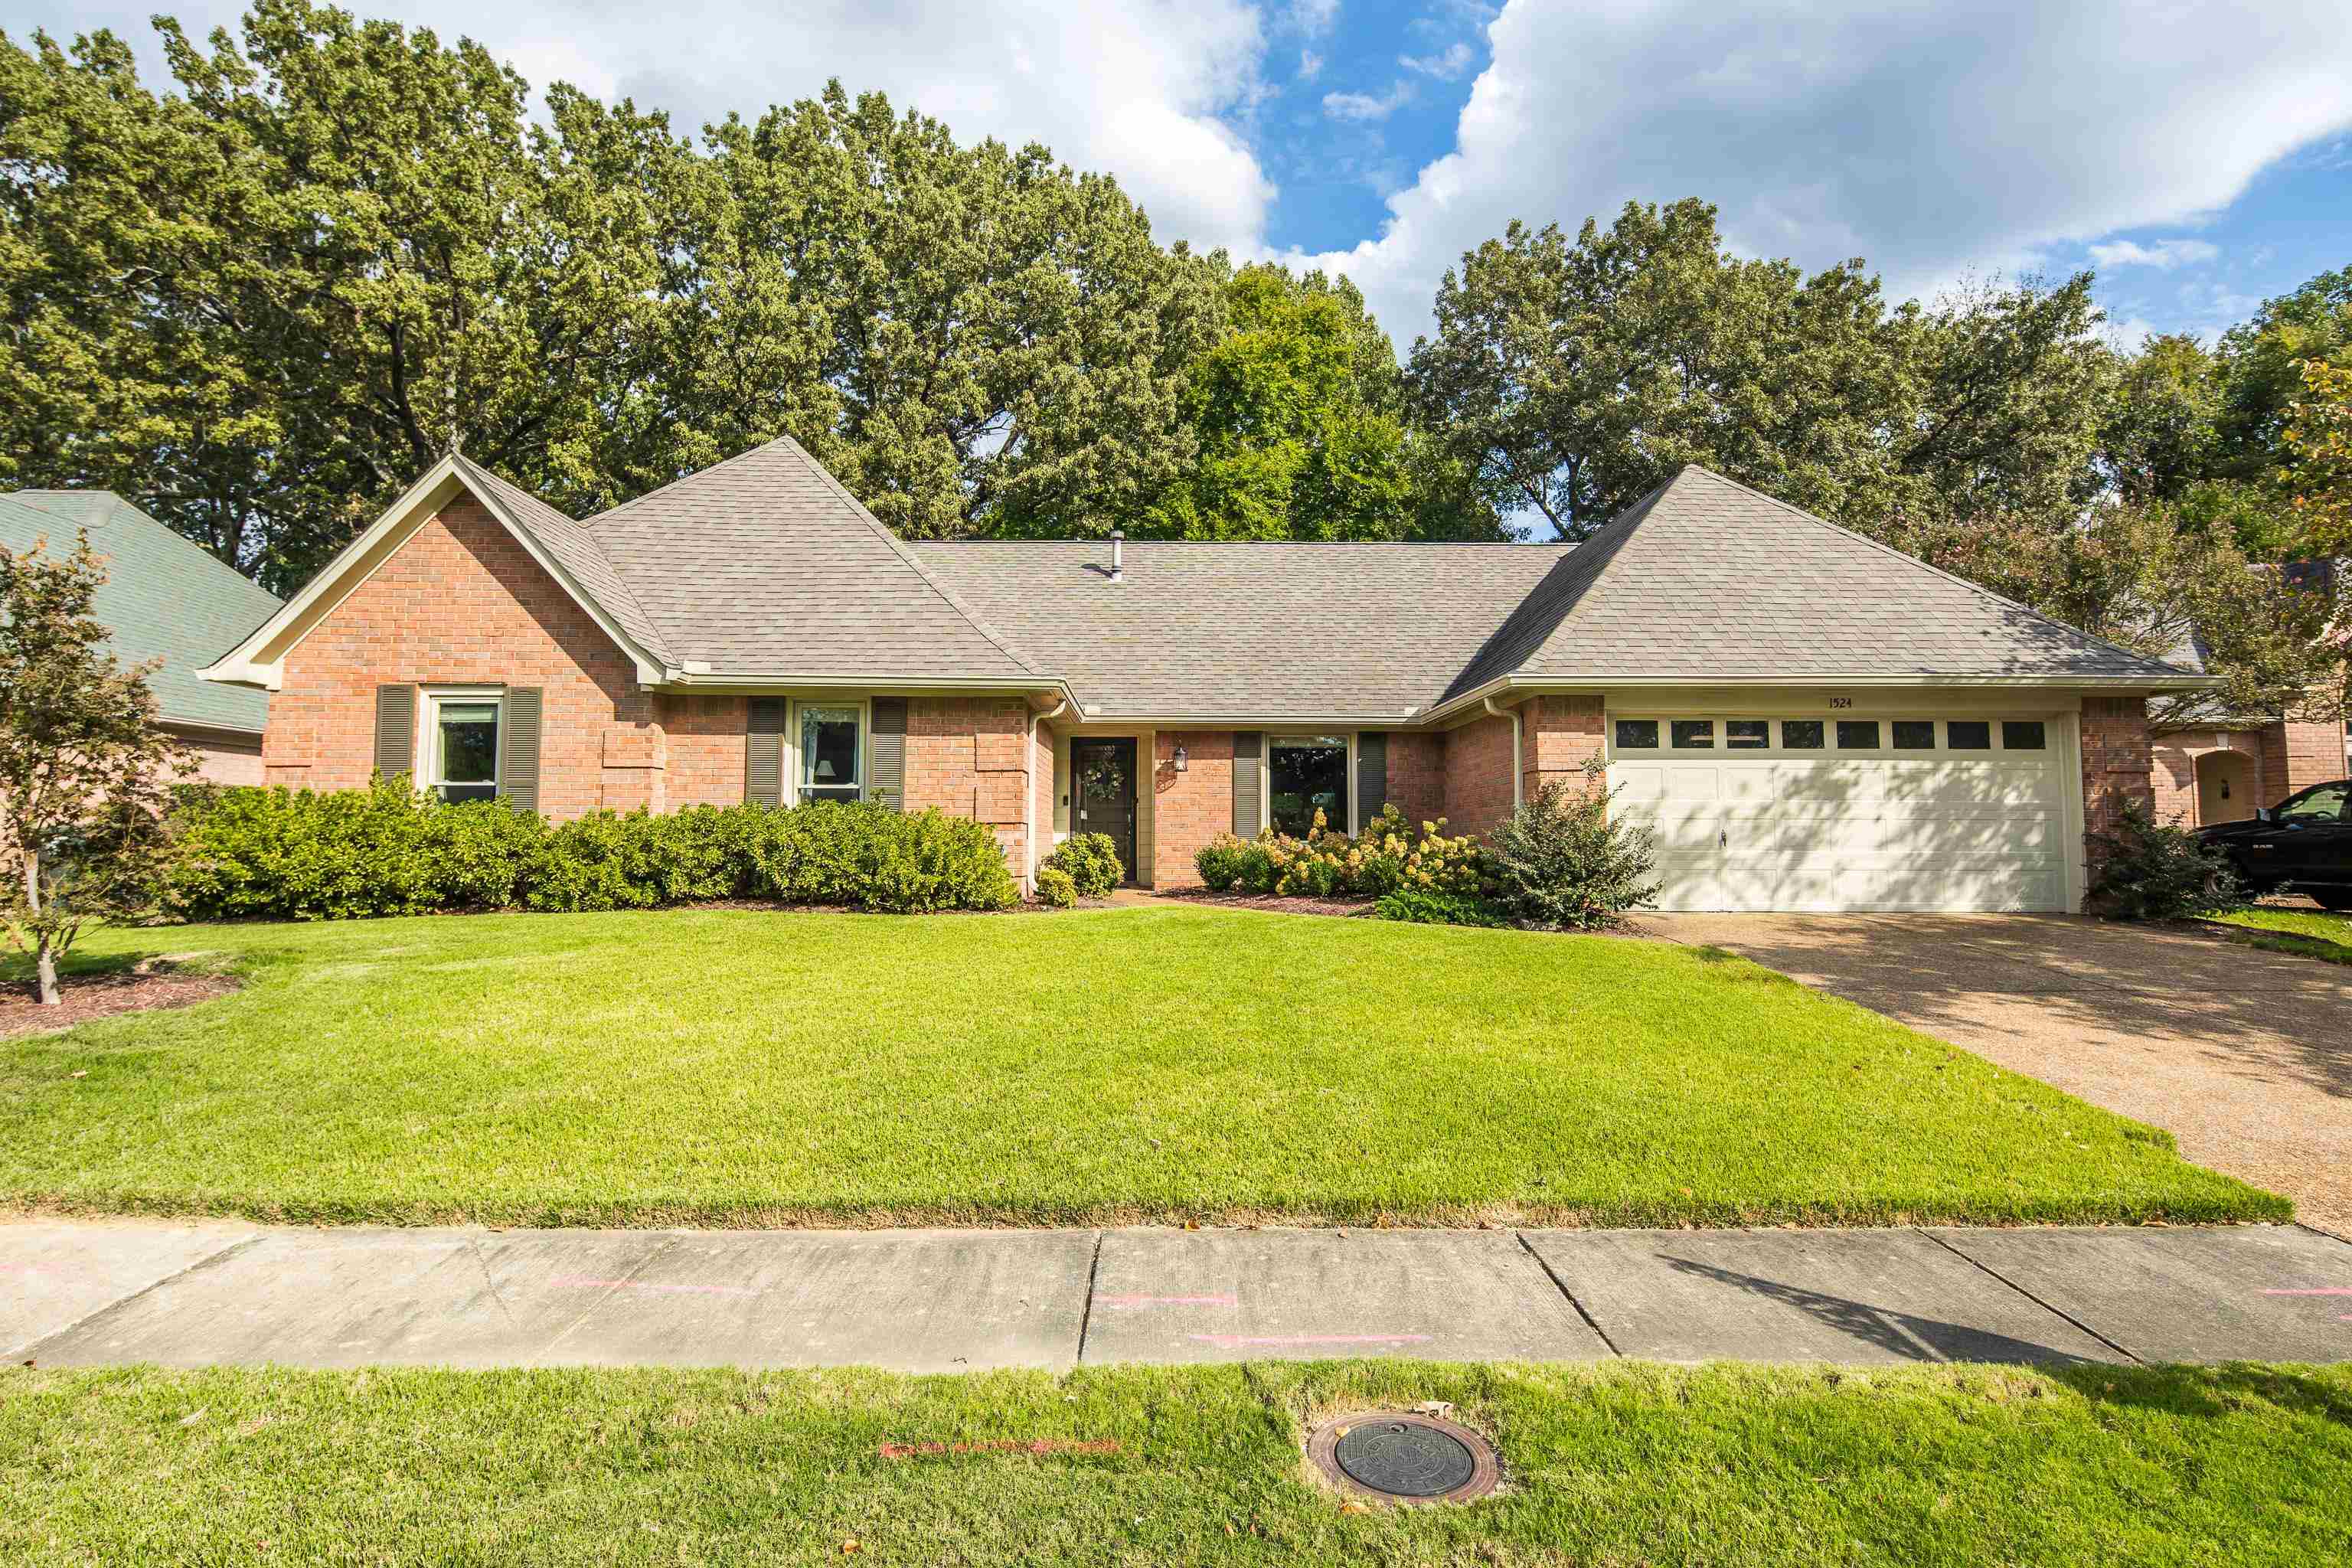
(1812, 720)
(2215, 765)
(167, 598)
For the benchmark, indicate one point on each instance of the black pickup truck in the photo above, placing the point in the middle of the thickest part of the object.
(2303, 843)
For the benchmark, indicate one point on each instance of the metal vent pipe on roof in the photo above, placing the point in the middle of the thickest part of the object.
(1118, 573)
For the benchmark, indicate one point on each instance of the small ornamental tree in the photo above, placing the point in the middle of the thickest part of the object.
(83, 762)
(1562, 861)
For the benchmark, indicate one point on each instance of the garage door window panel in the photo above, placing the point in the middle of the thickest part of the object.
(1969, 735)
(1694, 734)
(1637, 735)
(1857, 734)
(1915, 734)
(2023, 735)
(1747, 734)
(1802, 734)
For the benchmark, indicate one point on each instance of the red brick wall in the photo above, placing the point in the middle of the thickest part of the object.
(969, 757)
(2175, 757)
(219, 759)
(2118, 759)
(2314, 754)
(460, 603)
(1562, 734)
(1478, 775)
(1417, 774)
(706, 749)
(1190, 809)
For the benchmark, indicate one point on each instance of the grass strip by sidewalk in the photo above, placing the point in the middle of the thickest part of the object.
(1617, 1463)
(743, 1067)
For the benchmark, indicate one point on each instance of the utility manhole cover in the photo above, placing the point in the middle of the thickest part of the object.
(1405, 1458)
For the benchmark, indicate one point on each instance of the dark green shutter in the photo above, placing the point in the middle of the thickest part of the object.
(888, 784)
(395, 730)
(1249, 782)
(519, 728)
(763, 752)
(1371, 776)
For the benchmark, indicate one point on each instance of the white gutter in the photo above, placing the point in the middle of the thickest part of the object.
(1029, 801)
(1518, 737)
(1469, 701)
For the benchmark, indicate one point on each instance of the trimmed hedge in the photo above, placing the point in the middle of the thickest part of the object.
(1091, 862)
(281, 854)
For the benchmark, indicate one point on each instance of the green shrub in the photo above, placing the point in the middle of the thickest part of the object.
(280, 854)
(1563, 860)
(1230, 865)
(2148, 870)
(1091, 862)
(1055, 886)
(1424, 907)
(1389, 854)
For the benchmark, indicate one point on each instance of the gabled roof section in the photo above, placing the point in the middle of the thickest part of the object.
(1243, 631)
(165, 597)
(1707, 580)
(764, 566)
(561, 547)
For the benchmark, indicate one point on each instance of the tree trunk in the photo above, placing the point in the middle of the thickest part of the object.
(45, 957)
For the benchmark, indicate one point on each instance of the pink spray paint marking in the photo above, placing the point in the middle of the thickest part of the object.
(571, 1284)
(1242, 1342)
(2328, 1290)
(1132, 1301)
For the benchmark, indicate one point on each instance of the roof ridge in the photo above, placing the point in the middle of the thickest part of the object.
(1630, 518)
(611, 511)
(898, 547)
(1880, 545)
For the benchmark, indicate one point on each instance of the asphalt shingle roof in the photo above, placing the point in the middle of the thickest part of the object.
(165, 596)
(764, 564)
(1371, 631)
(1705, 579)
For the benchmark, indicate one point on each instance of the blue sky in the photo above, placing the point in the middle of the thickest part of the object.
(2198, 152)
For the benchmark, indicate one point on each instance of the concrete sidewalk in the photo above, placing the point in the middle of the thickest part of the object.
(197, 1295)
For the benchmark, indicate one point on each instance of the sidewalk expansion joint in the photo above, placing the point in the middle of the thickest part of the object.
(29, 1351)
(2054, 1312)
(1590, 1321)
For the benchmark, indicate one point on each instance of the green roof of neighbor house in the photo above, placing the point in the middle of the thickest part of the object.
(165, 597)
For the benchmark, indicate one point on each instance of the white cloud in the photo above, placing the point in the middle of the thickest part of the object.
(1365, 106)
(1931, 138)
(1310, 64)
(1313, 18)
(2164, 254)
(1455, 59)
(1143, 89)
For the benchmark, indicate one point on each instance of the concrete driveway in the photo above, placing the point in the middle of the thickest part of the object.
(2244, 1055)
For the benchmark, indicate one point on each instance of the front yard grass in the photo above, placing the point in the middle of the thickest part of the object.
(2314, 933)
(1620, 1463)
(1161, 1064)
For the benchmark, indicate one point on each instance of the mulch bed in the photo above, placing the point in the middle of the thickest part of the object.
(1360, 909)
(88, 997)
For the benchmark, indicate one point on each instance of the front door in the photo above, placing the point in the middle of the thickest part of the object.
(1103, 794)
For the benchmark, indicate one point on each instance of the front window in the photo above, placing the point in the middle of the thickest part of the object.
(1306, 774)
(830, 755)
(463, 735)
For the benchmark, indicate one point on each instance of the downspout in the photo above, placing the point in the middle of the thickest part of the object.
(1029, 804)
(1518, 736)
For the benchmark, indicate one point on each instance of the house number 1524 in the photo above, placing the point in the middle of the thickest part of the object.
(1841, 701)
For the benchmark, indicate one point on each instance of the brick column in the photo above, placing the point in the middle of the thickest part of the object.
(635, 757)
(1190, 809)
(2118, 761)
(1563, 733)
(2312, 752)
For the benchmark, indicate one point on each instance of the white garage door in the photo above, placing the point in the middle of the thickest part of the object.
(1849, 814)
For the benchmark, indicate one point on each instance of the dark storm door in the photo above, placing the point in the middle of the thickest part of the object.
(1102, 794)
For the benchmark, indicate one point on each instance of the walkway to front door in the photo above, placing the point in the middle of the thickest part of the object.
(1103, 793)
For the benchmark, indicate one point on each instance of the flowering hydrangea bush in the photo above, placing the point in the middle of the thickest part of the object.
(1389, 854)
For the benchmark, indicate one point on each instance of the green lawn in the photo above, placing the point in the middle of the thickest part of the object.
(1613, 1464)
(2314, 933)
(749, 1067)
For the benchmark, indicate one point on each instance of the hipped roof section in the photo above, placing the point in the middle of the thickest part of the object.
(763, 569)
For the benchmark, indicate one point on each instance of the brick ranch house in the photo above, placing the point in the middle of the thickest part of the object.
(1812, 720)
(165, 598)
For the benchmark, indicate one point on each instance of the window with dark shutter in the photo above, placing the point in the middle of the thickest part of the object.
(1371, 776)
(1249, 782)
(518, 730)
(763, 752)
(395, 730)
(887, 784)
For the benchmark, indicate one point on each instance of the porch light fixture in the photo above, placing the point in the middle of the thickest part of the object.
(1180, 759)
